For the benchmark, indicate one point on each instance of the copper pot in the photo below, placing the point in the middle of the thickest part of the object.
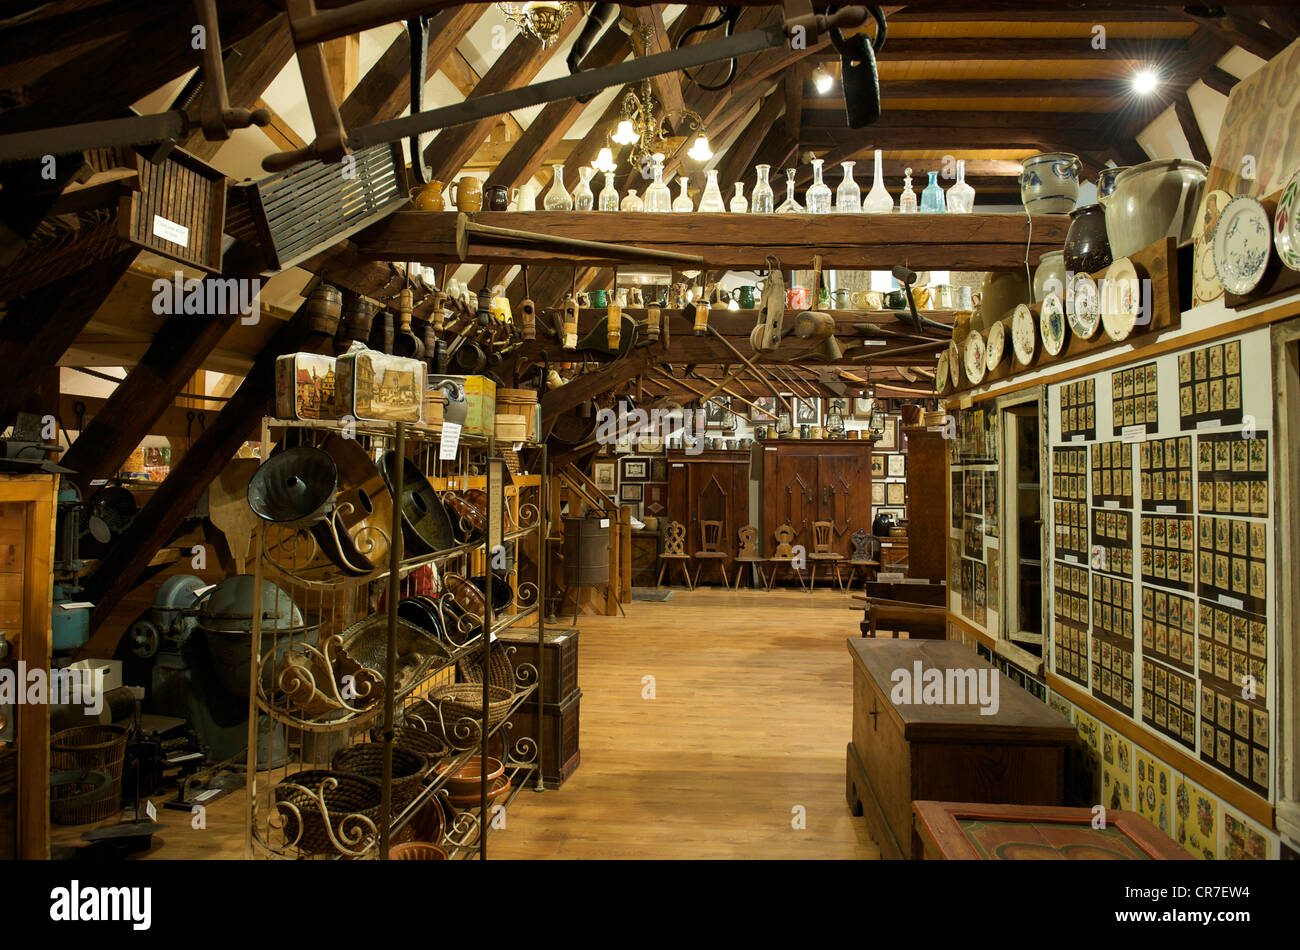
(470, 517)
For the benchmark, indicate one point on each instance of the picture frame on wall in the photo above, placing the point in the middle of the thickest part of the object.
(718, 414)
(806, 410)
(659, 469)
(631, 492)
(896, 466)
(763, 412)
(605, 477)
(635, 470)
(899, 513)
(888, 441)
(877, 493)
(863, 406)
(895, 493)
(877, 466)
(654, 500)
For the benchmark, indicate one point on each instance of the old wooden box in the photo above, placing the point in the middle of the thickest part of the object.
(906, 752)
(377, 387)
(560, 650)
(306, 386)
(179, 211)
(560, 752)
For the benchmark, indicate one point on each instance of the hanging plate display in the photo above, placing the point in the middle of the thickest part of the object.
(1023, 338)
(1085, 306)
(996, 346)
(1121, 299)
(941, 373)
(1051, 324)
(954, 363)
(1286, 224)
(974, 348)
(1241, 245)
(1207, 281)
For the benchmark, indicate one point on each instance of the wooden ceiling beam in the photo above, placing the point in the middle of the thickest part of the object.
(737, 162)
(1252, 36)
(465, 78)
(1020, 48)
(1191, 128)
(792, 88)
(667, 86)
(1021, 88)
(1220, 80)
(938, 122)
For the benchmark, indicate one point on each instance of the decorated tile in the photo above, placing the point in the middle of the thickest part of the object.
(1153, 789)
(1195, 819)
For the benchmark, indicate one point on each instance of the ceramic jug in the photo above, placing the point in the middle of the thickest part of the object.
(1049, 183)
(1086, 248)
(428, 197)
(467, 194)
(527, 200)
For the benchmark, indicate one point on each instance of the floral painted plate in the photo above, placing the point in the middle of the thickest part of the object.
(941, 373)
(1286, 224)
(1121, 299)
(1023, 338)
(1241, 245)
(1051, 324)
(1207, 281)
(1085, 306)
(974, 348)
(996, 346)
(954, 363)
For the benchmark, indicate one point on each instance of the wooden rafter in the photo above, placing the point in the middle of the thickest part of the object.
(1191, 128)
(739, 157)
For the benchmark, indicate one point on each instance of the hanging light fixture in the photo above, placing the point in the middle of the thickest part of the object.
(642, 125)
(604, 160)
(700, 150)
(541, 19)
(822, 80)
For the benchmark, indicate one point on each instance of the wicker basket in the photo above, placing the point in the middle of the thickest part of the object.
(93, 748)
(414, 739)
(500, 670)
(416, 851)
(465, 701)
(367, 760)
(353, 795)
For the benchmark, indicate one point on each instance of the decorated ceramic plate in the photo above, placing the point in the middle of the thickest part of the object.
(1121, 299)
(1207, 281)
(1022, 334)
(1085, 306)
(996, 346)
(954, 363)
(974, 349)
(941, 373)
(1286, 224)
(1051, 323)
(1241, 244)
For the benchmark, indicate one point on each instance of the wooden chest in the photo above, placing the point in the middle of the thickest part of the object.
(945, 751)
(560, 752)
(893, 555)
(561, 656)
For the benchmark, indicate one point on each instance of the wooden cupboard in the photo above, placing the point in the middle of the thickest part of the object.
(816, 480)
(710, 486)
(927, 510)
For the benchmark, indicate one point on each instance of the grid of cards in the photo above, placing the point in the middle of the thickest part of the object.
(1165, 473)
(1169, 702)
(1112, 473)
(1133, 397)
(1070, 612)
(1232, 475)
(1209, 385)
(1079, 409)
(1169, 628)
(1168, 550)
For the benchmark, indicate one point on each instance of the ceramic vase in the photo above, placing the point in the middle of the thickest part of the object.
(1086, 248)
(1050, 275)
(1049, 183)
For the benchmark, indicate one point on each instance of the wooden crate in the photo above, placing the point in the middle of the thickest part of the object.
(179, 211)
(560, 752)
(561, 658)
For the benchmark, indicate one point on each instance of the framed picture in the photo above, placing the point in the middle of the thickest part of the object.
(655, 500)
(896, 466)
(806, 410)
(877, 466)
(635, 470)
(888, 441)
(765, 413)
(650, 444)
(659, 469)
(862, 406)
(877, 493)
(899, 514)
(718, 414)
(631, 492)
(896, 493)
(602, 473)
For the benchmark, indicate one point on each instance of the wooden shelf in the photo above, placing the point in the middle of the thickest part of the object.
(961, 242)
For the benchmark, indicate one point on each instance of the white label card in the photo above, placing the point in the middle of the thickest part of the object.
(450, 441)
(1167, 509)
(171, 231)
(1077, 437)
(604, 522)
(150, 810)
(1232, 601)
(1133, 433)
(1110, 504)
(1208, 424)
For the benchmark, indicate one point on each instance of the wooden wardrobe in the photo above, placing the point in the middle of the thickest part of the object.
(710, 486)
(809, 480)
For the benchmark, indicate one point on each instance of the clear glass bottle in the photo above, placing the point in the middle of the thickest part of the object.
(762, 199)
(608, 198)
(961, 196)
(932, 200)
(683, 203)
(558, 198)
(878, 200)
(711, 201)
(789, 206)
(584, 199)
(657, 195)
(907, 200)
(848, 196)
(818, 197)
(631, 202)
(738, 204)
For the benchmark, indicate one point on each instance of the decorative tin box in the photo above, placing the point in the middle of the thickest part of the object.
(480, 396)
(306, 387)
(376, 387)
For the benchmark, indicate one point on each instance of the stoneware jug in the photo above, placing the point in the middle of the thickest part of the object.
(1152, 201)
(1049, 182)
(467, 194)
(428, 197)
(1050, 275)
(1086, 247)
(527, 200)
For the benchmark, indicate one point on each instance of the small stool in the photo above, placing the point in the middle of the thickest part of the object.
(674, 551)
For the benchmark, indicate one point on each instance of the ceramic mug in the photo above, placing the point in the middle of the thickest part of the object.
(922, 297)
(428, 197)
(527, 199)
(963, 301)
(843, 298)
(582, 298)
(599, 298)
(868, 300)
(467, 194)
(796, 298)
(896, 300)
(497, 196)
(746, 297)
(941, 296)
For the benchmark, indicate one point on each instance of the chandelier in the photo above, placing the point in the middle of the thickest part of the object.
(642, 125)
(542, 19)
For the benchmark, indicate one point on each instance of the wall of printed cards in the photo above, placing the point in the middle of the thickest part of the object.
(1159, 567)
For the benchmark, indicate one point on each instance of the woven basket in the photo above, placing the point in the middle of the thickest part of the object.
(414, 739)
(354, 795)
(416, 851)
(465, 701)
(500, 671)
(367, 760)
(93, 748)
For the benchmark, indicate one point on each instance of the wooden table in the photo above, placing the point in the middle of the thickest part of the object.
(976, 832)
(901, 753)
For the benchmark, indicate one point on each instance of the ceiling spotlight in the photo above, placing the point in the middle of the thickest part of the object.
(1145, 82)
(822, 80)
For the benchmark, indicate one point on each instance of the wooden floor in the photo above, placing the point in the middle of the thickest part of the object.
(746, 732)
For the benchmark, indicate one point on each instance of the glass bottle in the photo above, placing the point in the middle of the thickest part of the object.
(657, 195)
(738, 204)
(878, 200)
(961, 196)
(932, 199)
(848, 196)
(583, 197)
(907, 200)
(683, 201)
(558, 199)
(763, 200)
(818, 197)
(789, 206)
(608, 198)
(631, 202)
(711, 201)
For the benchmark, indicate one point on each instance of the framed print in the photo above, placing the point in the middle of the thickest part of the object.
(899, 514)
(877, 493)
(635, 470)
(862, 407)
(765, 411)
(877, 466)
(659, 470)
(718, 414)
(888, 441)
(895, 493)
(654, 501)
(631, 492)
(806, 410)
(896, 466)
(602, 473)
(650, 444)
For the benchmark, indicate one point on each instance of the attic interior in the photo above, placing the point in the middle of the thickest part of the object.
(341, 406)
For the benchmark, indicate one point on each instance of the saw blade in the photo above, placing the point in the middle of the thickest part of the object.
(86, 136)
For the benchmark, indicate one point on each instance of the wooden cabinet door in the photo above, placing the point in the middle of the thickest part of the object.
(791, 496)
(709, 488)
(844, 494)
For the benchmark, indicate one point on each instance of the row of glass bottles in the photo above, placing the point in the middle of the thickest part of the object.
(960, 198)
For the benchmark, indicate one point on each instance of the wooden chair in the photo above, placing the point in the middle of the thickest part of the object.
(748, 554)
(862, 557)
(711, 550)
(784, 554)
(674, 552)
(823, 535)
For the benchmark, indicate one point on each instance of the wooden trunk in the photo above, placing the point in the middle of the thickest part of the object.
(560, 752)
(560, 676)
(711, 486)
(944, 752)
(927, 487)
(894, 553)
(816, 480)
